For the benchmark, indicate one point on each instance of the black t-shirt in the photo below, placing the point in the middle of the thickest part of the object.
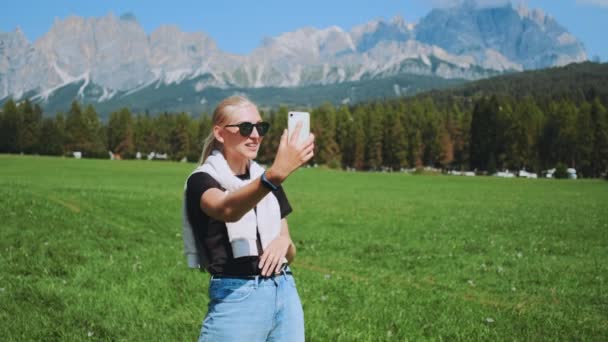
(211, 235)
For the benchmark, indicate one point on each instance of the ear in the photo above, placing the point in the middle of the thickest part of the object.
(217, 133)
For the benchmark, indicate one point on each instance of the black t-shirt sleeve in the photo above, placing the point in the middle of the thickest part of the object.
(283, 202)
(198, 183)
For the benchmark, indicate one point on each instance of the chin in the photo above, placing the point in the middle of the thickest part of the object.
(249, 154)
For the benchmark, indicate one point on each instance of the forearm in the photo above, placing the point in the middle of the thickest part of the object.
(291, 251)
(238, 203)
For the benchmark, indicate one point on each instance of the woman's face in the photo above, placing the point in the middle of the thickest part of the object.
(238, 145)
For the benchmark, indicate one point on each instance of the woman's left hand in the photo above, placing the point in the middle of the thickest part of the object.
(271, 260)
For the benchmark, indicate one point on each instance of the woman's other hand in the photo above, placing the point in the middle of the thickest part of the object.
(291, 155)
(271, 260)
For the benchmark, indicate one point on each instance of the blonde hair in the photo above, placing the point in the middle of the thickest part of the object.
(221, 115)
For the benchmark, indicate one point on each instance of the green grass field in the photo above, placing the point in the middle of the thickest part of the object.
(91, 249)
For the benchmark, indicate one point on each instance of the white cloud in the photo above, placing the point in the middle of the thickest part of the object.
(601, 3)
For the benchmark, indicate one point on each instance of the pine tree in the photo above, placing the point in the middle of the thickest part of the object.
(51, 136)
(144, 134)
(84, 132)
(599, 158)
(359, 139)
(446, 157)
(204, 129)
(532, 121)
(584, 141)
(180, 138)
(75, 127)
(31, 122)
(413, 122)
(96, 146)
(395, 141)
(484, 124)
(10, 124)
(374, 125)
(163, 126)
(388, 153)
(324, 126)
(344, 134)
(121, 133)
(431, 134)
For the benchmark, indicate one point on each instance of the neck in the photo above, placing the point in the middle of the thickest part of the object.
(238, 165)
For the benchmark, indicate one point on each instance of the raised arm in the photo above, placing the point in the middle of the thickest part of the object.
(231, 206)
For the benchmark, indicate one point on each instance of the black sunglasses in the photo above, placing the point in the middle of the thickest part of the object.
(246, 128)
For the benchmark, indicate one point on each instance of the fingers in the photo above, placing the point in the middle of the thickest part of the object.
(309, 156)
(263, 260)
(308, 143)
(309, 140)
(308, 148)
(270, 261)
(296, 133)
(266, 262)
(283, 140)
(278, 266)
(271, 265)
(266, 266)
(306, 151)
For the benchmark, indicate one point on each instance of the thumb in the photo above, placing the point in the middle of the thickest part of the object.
(284, 137)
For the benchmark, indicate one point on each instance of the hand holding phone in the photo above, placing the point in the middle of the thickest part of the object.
(293, 118)
(296, 147)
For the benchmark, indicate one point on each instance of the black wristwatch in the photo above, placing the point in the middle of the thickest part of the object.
(268, 183)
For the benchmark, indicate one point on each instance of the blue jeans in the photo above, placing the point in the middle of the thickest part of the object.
(257, 309)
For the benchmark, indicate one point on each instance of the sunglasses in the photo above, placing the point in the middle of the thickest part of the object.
(246, 128)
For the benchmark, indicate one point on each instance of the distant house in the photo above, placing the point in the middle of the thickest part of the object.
(526, 174)
(505, 174)
(461, 173)
(571, 173)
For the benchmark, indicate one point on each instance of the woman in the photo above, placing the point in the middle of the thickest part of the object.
(234, 214)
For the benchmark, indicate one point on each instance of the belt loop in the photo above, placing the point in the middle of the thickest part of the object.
(256, 281)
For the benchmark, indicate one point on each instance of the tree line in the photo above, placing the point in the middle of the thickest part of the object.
(487, 133)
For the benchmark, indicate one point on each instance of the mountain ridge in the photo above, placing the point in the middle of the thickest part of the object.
(115, 56)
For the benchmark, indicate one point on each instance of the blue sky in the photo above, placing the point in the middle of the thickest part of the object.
(239, 26)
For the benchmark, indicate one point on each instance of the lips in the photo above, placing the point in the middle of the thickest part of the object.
(252, 147)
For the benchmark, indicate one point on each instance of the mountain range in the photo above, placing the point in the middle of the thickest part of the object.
(111, 62)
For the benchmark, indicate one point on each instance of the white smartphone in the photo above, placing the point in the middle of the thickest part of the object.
(292, 120)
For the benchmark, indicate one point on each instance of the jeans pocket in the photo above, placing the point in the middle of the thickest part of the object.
(230, 291)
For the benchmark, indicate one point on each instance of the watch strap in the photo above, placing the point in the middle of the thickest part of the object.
(268, 183)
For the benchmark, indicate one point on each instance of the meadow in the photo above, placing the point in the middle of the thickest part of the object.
(92, 250)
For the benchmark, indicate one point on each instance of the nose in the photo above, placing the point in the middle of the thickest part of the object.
(254, 133)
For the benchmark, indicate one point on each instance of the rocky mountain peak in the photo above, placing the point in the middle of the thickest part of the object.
(114, 55)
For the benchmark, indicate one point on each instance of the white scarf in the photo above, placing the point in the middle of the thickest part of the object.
(242, 233)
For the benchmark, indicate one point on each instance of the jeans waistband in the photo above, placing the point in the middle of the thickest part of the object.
(285, 270)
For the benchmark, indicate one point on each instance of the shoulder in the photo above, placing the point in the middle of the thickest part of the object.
(200, 181)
